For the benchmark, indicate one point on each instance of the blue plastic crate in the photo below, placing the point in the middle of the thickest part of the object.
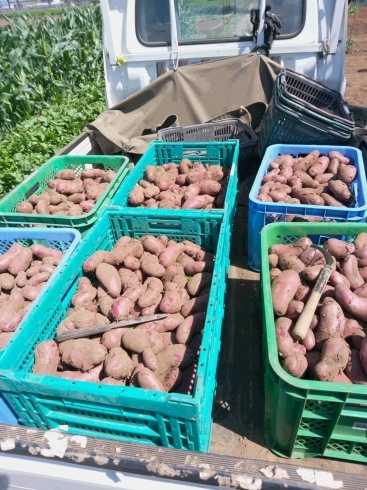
(263, 213)
(65, 240)
(225, 154)
(123, 413)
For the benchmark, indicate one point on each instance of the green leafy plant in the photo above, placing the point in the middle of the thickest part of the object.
(35, 140)
(43, 61)
(350, 45)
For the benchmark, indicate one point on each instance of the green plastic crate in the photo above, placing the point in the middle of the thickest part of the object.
(306, 418)
(123, 413)
(36, 183)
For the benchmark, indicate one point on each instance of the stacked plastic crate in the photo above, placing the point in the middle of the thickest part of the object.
(127, 413)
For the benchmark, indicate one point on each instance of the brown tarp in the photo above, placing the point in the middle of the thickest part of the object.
(239, 86)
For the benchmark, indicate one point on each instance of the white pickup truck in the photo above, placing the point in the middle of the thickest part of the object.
(143, 39)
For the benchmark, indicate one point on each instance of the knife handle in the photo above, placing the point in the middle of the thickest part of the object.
(81, 333)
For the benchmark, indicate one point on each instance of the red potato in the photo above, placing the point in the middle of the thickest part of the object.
(361, 255)
(333, 166)
(288, 261)
(147, 380)
(7, 281)
(21, 262)
(324, 178)
(337, 278)
(118, 364)
(192, 325)
(339, 156)
(198, 202)
(171, 301)
(340, 190)
(109, 278)
(150, 359)
(338, 248)
(66, 175)
(319, 167)
(346, 173)
(195, 305)
(136, 196)
(349, 269)
(334, 359)
(354, 369)
(360, 241)
(69, 187)
(92, 376)
(306, 162)
(47, 358)
(8, 257)
(351, 302)
(152, 244)
(154, 287)
(150, 265)
(284, 287)
(294, 309)
(24, 207)
(303, 293)
(332, 322)
(309, 341)
(295, 365)
(83, 354)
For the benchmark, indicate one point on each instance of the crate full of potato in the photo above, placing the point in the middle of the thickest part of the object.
(134, 266)
(308, 184)
(66, 191)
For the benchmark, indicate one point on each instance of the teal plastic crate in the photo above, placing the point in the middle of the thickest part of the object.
(225, 154)
(64, 240)
(36, 183)
(123, 413)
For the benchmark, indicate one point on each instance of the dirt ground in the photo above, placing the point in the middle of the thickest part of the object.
(356, 60)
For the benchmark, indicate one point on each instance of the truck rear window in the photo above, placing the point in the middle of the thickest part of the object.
(207, 21)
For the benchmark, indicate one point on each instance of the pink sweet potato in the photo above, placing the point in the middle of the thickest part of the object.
(7, 258)
(118, 364)
(154, 287)
(152, 244)
(334, 358)
(83, 354)
(192, 325)
(147, 379)
(195, 305)
(338, 248)
(288, 261)
(150, 359)
(21, 262)
(41, 252)
(121, 308)
(46, 358)
(113, 338)
(92, 376)
(109, 278)
(296, 365)
(349, 268)
(354, 369)
(283, 289)
(332, 322)
(340, 190)
(171, 301)
(351, 302)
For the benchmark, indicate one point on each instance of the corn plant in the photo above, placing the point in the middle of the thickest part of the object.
(44, 61)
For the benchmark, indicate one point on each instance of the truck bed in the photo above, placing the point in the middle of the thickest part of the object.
(239, 405)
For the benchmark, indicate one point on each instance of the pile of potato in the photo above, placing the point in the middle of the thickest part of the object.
(69, 195)
(313, 179)
(136, 278)
(335, 347)
(23, 273)
(187, 185)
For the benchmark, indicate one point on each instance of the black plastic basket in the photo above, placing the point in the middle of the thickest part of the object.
(315, 96)
(284, 126)
(217, 131)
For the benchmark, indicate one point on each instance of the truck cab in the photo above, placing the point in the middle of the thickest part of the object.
(144, 38)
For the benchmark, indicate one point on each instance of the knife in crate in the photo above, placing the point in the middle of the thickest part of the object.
(89, 331)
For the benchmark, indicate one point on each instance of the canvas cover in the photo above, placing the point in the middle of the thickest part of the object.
(239, 86)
